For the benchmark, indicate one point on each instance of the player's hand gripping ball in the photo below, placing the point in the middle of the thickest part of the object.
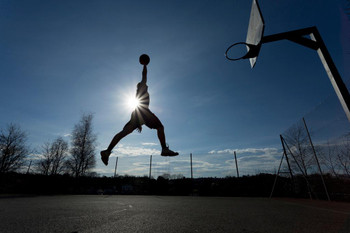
(144, 59)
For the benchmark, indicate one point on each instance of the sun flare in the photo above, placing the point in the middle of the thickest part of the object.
(133, 102)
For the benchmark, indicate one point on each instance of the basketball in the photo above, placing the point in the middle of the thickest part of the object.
(144, 59)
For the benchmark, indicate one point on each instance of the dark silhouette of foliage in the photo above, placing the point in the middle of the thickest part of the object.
(297, 140)
(82, 151)
(54, 155)
(247, 186)
(13, 148)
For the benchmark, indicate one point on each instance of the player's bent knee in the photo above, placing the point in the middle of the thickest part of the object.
(160, 127)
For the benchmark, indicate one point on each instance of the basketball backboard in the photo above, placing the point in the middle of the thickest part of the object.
(255, 29)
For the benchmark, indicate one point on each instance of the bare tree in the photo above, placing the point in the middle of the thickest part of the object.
(44, 164)
(54, 155)
(83, 147)
(59, 149)
(13, 148)
(343, 157)
(298, 141)
(335, 156)
(328, 157)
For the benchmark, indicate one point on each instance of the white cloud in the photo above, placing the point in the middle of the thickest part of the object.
(134, 151)
(149, 144)
(105, 170)
(250, 160)
(160, 164)
(245, 150)
(35, 157)
(137, 170)
(216, 163)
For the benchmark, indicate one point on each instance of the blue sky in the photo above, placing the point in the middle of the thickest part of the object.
(60, 59)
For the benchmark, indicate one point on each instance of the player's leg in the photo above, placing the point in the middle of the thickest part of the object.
(161, 136)
(165, 149)
(152, 121)
(128, 128)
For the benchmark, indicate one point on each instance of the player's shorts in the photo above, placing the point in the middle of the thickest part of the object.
(144, 116)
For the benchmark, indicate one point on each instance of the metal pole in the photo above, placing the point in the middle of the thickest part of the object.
(115, 169)
(289, 168)
(316, 43)
(304, 175)
(150, 167)
(29, 166)
(318, 164)
(191, 166)
(236, 163)
(332, 72)
(279, 167)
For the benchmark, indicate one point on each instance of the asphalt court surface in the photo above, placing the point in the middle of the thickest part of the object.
(82, 214)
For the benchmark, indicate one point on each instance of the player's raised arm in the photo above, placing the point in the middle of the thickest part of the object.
(144, 74)
(144, 60)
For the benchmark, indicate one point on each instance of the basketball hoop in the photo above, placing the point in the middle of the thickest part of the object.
(252, 51)
(255, 38)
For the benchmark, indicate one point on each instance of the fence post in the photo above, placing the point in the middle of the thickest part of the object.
(236, 164)
(318, 164)
(191, 166)
(295, 160)
(150, 167)
(116, 165)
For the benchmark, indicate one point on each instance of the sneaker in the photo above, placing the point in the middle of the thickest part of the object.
(167, 152)
(105, 156)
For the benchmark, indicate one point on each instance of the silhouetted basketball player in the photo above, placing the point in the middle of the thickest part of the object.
(141, 115)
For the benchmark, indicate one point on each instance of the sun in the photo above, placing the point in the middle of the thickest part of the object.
(132, 102)
(127, 100)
